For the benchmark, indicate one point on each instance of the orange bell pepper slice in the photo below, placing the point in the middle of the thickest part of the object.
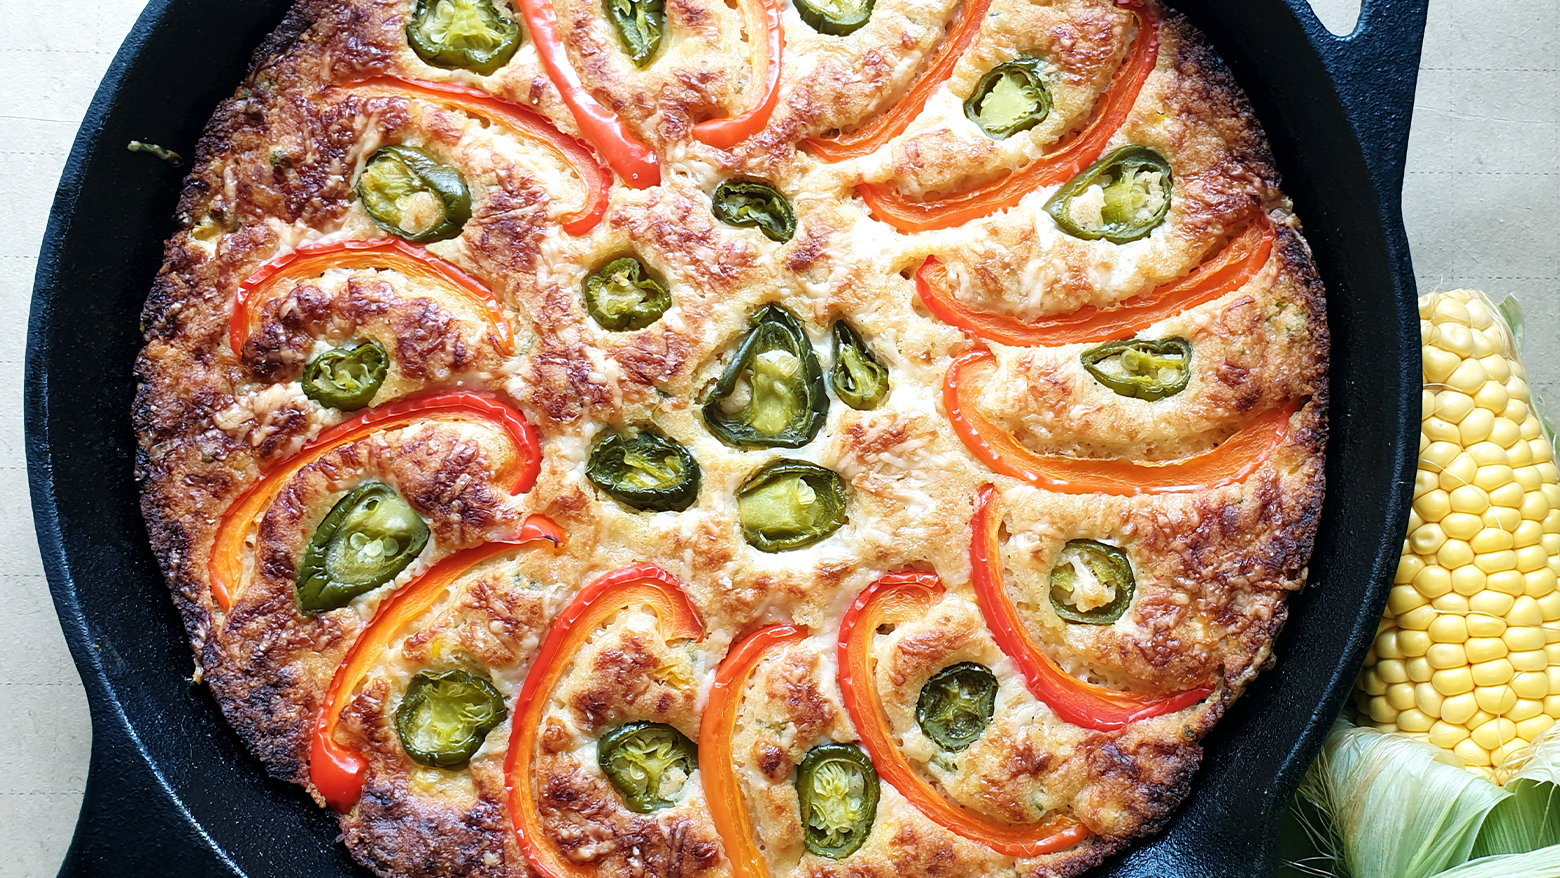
(1231, 269)
(763, 16)
(608, 595)
(717, 763)
(313, 260)
(225, 568)
(521, 120)
(1073, 700)
(893, 121)
(336, 771)
(1232, 461)
(888, 204)
(895, 599)
(624, 152)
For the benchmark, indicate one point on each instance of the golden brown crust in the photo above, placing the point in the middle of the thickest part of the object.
(276, 170)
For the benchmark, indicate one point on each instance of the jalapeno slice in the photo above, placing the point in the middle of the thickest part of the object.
(859, 380)
(1141, 368)
(640, 24)
(648, 763)
(838, 790)
(366, 539)
(1092, 583)
(957, 704)
(1121, 198)
(462, 34)
(624, 295)
(749, 203)
(410, 194)
(835, 17)
(346, 378)
(789, 504)
(444, 717)
(1010, 98)
(771, 394)
(644, 470)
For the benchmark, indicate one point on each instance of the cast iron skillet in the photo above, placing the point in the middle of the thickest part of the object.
(171, 791)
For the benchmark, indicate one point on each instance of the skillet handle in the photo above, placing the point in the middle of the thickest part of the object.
(1375, 69)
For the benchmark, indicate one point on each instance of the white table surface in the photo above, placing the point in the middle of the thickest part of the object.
(1480, 201)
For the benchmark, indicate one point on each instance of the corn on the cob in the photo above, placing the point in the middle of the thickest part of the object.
(1467, 655)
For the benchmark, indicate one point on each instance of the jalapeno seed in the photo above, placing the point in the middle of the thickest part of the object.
(837, 789)
(346, 378)
(1140, 368)
(444, 717)
(649, 764)
(624, 295)
(365, 541)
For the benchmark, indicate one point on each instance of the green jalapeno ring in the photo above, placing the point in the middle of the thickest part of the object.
(790, 504)
(859, 380)
(644, 470)
(787, 403)
(1141, 368)
(462, 35)
(365, 541)
(624, 296)
(346, 378)
(836, 18)
(644, 759)
(1136, 186)
(748, 203)
(1010, 98)
(444, 717)
(640, 25)
(837, 789)
(402, 183)
(957, 704)
(1108, 564)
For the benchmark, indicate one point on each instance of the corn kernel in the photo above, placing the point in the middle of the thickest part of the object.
(1526, 476)
(1413, 643)
(1477, 426)
(1552, 672)
(1454, 338)
(1391, 671)
(1524, 638)
(1458, 708)
(1403, 598)
(1445, 655)
(1496, 672)
(1468, 377)
(1471, 753)
(1507, 582)
(1494, 562)
(1427, 539)
(1487, 453)
(1381, 711)
(1417, 620)
(1507, 433)
(1491, 699)
(1530, 729)
(1469, 499)
(1484, 345)
(1552, 706)
(1462, 470)
(1539, 583)
(1507, 496)
(1451, 603)
(1493, 539)
(1497, 368)
(1479, 718)
(1523, 708)
(1427, 699)
(1492, 396)
(1506, 520)
(1484, 649)
(1455, 681)
(1400, 695)
(1482, 625)
(1433, 581)
(1452, 406)
(1528, 659)
(1440, 430)
(1433, 505)
(1494, 733)
(1408, 567)
(1449, 629)
(1419, 670)
(1385, 645)
(1439, 364)
(1455, 553)
(1530, 684)
(1504, 752)
(1447, 735)
(1415, 721)
(1535, 506)
(1526, 533)
(1492, 603)
(1447, 310)
(1437, 455)
(1549, 605)
(1468, 580)
(1531, 558)
(1479, 314)
(1531, 428)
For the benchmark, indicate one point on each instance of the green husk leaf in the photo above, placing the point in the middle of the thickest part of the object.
(1398, 810)
(1530, 818)
(1542, 863)
(1516, 321)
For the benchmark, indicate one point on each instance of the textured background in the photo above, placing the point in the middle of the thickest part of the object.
(1480, 200)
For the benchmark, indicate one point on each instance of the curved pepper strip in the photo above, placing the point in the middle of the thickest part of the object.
(1073, 700)
(333, 769)
(888, 204)
(624, 152)
(225, 568)
(1231, 269)
(761, 15)
(522, 121)
(608, 595)
(1232, 461)
(313, 260)
(722, 790)
(892, 600)
(893, 121)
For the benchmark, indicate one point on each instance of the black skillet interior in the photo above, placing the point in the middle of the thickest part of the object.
(171, 790)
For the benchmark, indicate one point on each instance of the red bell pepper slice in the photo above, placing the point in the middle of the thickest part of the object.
(522, 121)
(763, 16)
(598, 602)
(225, 568)
(313, 260)
(893, 121)
(717, 762)
(336, 771)
(624, 152)
(1232, 461)
(1231, 269)
(892, 600)
(1073, 700)
(888, 204)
